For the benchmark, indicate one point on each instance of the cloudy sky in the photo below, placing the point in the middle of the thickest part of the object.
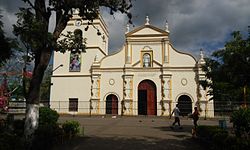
(193, 24)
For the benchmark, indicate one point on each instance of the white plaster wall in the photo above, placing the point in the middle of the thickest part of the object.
(146, 31)
(91, 36)
(107, 88)
(114, 60)
(178, 89)
(137, 48)
(78, 84)
(139, 77)
(87, 60)
(180, 59)
(71, 87)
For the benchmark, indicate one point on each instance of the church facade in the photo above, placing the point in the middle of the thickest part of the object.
(147, 76)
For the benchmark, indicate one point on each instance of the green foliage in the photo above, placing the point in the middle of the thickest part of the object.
(46, 136)
(32, 28)
(234, 143)
(11, 135)
(10, 141)
(219, 139)
(47, 116)
(71, 41)
(229, 69)
(48, 131)
(5, 45)
(71, 128)
(209, 132)
(45, 86)
(18, 127)
(241, 122)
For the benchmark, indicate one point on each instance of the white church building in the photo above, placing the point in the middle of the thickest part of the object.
(147, 76)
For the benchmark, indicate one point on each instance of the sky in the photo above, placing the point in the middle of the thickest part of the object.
(193, 24)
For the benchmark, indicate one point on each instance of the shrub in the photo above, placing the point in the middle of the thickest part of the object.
(236, 143)
(241, 122)
(10, 141)
(219, 139)
(48, 132)
(47, 116)
(46, 136)
(208, 131)
(71, 128)
(11, 134)
(18, 127)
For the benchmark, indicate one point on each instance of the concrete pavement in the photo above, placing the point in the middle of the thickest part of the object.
(120, 133)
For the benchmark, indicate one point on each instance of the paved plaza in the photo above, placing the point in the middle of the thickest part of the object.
(147, 133)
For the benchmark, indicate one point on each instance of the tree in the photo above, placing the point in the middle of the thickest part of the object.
(32, 28)
(45, 86)
(5, 45)
(229, 70)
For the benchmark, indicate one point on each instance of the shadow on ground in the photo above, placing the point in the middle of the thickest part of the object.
(124, 143)
(176, 131)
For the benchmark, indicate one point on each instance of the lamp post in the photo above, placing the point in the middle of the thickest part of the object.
(50, 74)
(61, 65)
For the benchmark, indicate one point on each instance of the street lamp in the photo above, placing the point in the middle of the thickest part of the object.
(61, 65)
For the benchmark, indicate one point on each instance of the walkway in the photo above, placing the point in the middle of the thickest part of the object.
(146, 133)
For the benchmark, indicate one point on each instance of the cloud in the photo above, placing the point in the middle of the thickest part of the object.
(116, 25)
(8, 10)
(193, 24)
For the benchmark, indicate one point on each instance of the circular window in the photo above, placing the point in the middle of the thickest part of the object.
(111, 81)
(184, 81)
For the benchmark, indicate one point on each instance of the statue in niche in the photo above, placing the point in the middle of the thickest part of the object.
(146, 60)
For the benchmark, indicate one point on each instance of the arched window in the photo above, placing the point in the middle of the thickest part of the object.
(146, 60)
(78, 34)
(78, 41)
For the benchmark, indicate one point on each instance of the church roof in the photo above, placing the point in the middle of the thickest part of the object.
(147, 30)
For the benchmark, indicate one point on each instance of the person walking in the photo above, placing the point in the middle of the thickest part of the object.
(176, 113)
(195, 117)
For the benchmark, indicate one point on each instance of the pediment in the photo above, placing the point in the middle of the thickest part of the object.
(147, 30)
(138, 64)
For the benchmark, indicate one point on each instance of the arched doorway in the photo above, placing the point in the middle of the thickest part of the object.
(147, 98)
(185, 105)
(112, 104)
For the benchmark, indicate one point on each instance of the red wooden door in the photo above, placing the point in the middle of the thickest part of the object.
(111, 104)
(150, 87)
(151, 101)
(114, 105)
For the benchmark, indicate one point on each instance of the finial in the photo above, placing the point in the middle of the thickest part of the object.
(166, 26)
(201, 60)
(147, 20)
(201, 54)
(127, 28)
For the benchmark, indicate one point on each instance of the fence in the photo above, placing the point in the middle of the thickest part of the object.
(129, 108)
(221, 108)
